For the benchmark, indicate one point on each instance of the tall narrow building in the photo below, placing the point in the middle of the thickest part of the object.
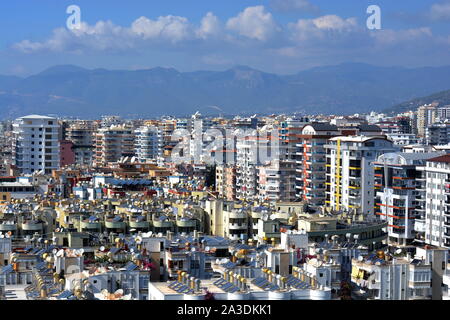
(36, 144)
(148, 143)
(350, 171)
(113, 143)
(399, 195)
(311, 161)
(426, 115)
(437, 217)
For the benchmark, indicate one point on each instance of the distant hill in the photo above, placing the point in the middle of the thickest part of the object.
(343, 89)
(443, 98)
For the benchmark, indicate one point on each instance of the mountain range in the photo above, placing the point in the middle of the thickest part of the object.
(442, 98)
(348, 88)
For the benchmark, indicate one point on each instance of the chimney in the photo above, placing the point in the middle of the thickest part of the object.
(349, 237)
(197, 285)
(335, 239)
(279, 282)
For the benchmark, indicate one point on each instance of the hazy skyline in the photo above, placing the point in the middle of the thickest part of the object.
(280, 36)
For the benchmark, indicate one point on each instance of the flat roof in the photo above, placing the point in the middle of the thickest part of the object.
(358, 138)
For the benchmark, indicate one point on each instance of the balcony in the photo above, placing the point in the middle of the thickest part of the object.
(162, 224)
(186, 223)
(115, 225)
(237, 215)
(139, 224)
(90, 225)
(237, 226)
(6, 226)
(32, 226)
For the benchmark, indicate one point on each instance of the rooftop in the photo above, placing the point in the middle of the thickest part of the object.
(443, 159)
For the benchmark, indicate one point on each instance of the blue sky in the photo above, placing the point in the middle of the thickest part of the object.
(281, 36)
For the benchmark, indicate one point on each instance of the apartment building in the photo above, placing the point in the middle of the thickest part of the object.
(228, 219)
(426, 115)
(276, 182)
(81, 133)
(36, 144)
(148, 144)
(381, 277)
(403, 139)
(252, 152)
(398, 193)
(350, 173)
(437, 216)
(311, 170)
(113, 143)
(438, 134)
(443, 113)
(229, 182)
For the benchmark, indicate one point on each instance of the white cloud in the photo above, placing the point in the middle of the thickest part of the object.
(440, 11)
(171, 28)
(397, 37)
(209, 26)
(322, 27)
(211, 42)
(294, 5)
(254, 23)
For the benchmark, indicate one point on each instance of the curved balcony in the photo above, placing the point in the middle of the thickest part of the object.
(236, 226)
(8, 227)
(186, 223)
(32, 226)
(115, 225)
(139, 224)
(162, 224)
(90, 225)
(256, 215)
(237, 215)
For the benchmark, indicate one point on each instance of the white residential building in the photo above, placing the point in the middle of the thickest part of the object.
(148, 143)
(394, 279)
(399, 196)
(36, 144)
(437, 216)
(350, 173)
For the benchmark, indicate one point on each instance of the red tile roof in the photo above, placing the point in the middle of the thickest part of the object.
(444, 158)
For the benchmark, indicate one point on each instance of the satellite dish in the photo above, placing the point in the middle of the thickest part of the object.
(57, 230)
(60, 253)
(55, 251)
(132, 250)
(102, 248)
(360, 258)
(81, 251)
(2, 236)
(398, 251)
(207, 248)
